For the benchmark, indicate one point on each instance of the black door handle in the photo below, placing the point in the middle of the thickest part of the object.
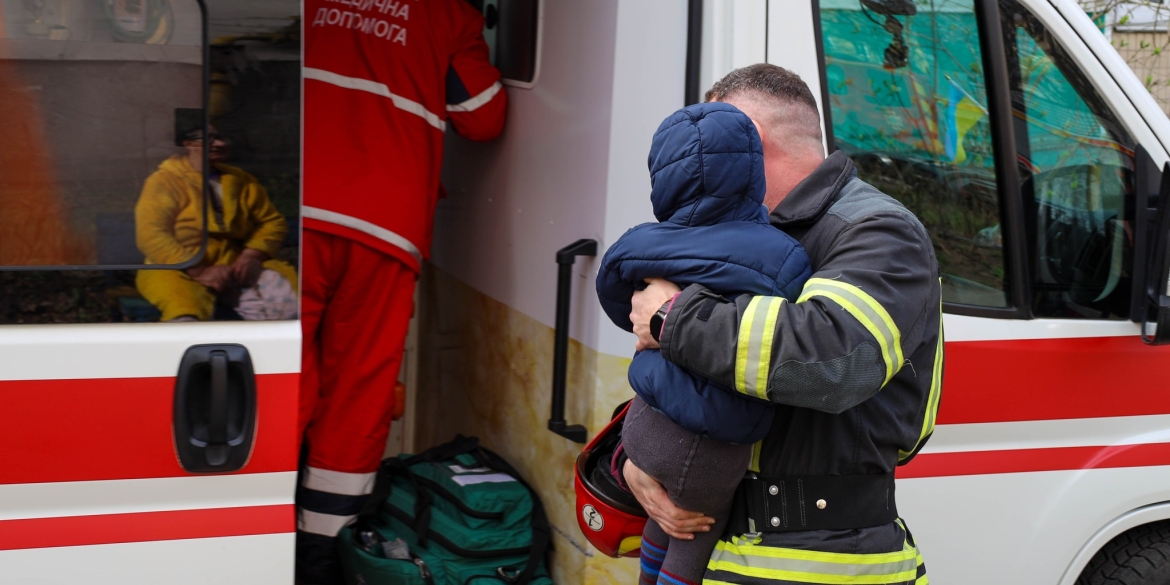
(217, 415)
(566, 257)
(215, 408)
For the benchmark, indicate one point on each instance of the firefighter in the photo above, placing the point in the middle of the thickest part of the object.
(382, 79)
(854, 365)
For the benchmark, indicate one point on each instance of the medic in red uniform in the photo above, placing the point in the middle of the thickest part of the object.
(383, 78)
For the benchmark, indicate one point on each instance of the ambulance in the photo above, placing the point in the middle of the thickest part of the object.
(136, 452)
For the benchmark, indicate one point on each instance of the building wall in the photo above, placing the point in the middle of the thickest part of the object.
(1148, 54)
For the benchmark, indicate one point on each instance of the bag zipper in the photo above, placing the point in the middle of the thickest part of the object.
(423, 571)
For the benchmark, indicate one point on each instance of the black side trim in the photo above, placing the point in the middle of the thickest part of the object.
(826, 103)
(1003, 139)
(692, 92)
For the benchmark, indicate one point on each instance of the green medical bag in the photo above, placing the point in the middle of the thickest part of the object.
(457, 514)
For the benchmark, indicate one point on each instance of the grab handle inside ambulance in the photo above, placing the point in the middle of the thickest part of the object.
(566, 257)
(215, 408)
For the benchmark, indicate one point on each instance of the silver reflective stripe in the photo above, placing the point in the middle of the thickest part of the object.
(474, 103)
(404, 104)
(363, 226)
(338, 482)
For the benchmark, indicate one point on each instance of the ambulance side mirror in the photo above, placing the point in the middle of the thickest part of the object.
(1156, 324)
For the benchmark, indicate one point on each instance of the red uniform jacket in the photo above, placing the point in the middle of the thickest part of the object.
(382, 80)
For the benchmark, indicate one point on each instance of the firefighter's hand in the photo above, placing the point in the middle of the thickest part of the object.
(246, 269)
(645, 303)
(217, 278)
(674, 521)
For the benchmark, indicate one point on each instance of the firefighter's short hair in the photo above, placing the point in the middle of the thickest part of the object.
(774, 84)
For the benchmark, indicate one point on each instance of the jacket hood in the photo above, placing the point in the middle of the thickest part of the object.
(707, 167)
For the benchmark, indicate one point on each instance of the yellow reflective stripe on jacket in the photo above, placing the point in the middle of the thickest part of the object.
(756, 448)
(753, 353)
(935, 388)
(867, 311)
(785, 564)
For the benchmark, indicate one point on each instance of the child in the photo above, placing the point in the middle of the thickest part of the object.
(707, 176)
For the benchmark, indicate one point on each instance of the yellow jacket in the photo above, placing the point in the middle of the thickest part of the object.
(169, 216)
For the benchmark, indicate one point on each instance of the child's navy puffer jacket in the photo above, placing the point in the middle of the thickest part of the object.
(707, 176)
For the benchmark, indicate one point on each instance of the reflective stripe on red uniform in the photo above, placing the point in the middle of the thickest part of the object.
(382, 79)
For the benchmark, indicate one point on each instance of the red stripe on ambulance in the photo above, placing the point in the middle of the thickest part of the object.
(146, 526)
(1027, 460)
(95, 434)
(1050, 379)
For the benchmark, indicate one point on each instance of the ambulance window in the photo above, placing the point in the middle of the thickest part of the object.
(1076, 170)
(907, 102)
(102, 110)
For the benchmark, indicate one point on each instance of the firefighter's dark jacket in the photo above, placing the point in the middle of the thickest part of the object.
(855, 364)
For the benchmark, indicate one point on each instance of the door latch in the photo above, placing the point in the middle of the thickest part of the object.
(215, 408)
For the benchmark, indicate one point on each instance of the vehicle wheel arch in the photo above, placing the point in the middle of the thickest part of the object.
(1120, 525)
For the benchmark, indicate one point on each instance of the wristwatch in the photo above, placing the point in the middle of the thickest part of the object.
(658, 319)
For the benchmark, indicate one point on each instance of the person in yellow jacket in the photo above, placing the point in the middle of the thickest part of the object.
(245, 231)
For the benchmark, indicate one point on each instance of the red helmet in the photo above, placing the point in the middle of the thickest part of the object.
(609, 516)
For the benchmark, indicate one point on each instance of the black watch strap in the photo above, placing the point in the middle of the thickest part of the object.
(659, 319)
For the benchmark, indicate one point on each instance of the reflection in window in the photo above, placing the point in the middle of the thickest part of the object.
(908, 103)
(88, 98)
(1076, 171)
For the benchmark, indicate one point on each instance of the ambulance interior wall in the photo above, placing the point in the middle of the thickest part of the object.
(570, 165)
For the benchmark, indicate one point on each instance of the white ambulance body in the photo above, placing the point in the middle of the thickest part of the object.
(1011, 127)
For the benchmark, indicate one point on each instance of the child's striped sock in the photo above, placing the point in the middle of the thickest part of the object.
(652, 556)
(666, 578)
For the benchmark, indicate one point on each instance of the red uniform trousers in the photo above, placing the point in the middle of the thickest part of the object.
(356, 305)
